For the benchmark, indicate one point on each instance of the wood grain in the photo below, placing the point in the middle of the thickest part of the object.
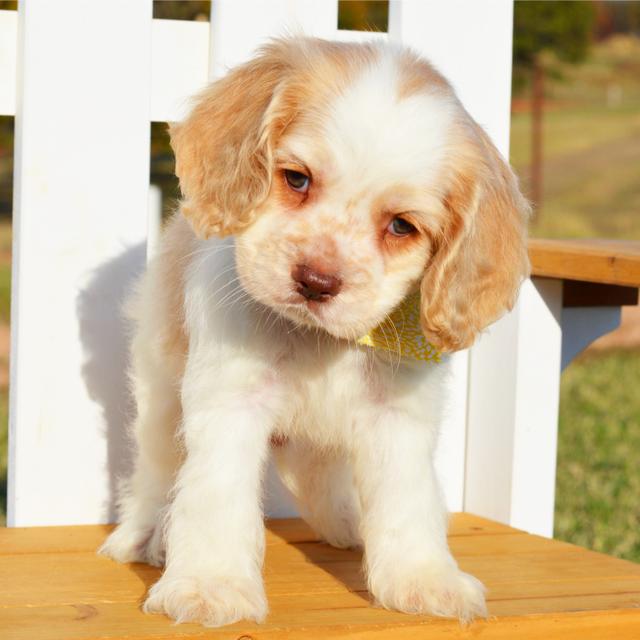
(53, 585)
(603, 261)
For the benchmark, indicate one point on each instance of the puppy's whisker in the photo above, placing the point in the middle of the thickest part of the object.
(398, 342)
(208, 251)
(232, 297)
(220, 304)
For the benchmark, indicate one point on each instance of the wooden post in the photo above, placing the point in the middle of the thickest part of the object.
(80, 216)
(512, 426)
(238, 27)
(483, 32)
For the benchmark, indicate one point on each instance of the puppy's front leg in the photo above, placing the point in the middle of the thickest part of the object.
(215, 533)
(404, 522)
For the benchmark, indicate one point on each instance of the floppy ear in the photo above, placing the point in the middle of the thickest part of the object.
(224, 147)
(481, 257)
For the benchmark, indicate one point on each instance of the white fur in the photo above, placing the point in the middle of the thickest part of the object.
(360, 427)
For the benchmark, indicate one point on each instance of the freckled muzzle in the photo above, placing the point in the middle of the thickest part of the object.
(313, 285)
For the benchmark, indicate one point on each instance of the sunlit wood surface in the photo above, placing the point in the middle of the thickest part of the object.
(614, 262)
(54, 586)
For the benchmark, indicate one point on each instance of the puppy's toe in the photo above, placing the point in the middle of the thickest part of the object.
(126, 544)
(444, 592)
(212, 602)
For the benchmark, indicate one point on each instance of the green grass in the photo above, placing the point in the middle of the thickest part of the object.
(591, 179)
(598, 477)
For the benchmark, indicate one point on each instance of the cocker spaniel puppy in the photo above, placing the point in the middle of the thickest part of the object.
(345, 224)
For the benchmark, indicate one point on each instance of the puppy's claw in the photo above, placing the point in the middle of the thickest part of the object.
(213, 602)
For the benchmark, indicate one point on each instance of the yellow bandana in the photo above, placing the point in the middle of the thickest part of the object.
(401, 333)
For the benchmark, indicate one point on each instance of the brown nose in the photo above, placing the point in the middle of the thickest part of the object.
(314, 285)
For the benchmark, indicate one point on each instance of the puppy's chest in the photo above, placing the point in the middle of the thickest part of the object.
(330, 390)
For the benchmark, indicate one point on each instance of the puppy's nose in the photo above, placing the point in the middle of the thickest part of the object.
(314, 285)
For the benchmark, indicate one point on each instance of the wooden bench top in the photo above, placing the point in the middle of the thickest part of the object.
(54, 586)
(613, 262)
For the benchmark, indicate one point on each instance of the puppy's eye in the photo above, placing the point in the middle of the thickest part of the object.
(297, 181)
(400, 227)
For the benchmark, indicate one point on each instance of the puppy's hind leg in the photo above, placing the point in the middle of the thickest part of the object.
(323, 486)
(143, 497)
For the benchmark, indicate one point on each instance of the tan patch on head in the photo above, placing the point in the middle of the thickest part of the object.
(418, 76)
(225, 148)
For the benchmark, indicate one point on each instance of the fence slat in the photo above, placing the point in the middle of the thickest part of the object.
(238, 27)
(81, 196)
(513, 412)
(180, 66)
(471, 44)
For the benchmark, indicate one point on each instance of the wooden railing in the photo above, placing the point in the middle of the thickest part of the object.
(595, 273)
(610, 262)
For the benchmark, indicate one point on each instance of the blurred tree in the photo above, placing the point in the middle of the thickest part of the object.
(561, 28)
(363, 15)
(6, 145)
(619, 16)
(182, 9)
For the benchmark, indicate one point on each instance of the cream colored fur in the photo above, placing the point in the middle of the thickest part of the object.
(228, 358)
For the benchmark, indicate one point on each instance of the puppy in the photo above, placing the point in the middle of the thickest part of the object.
(335, 196)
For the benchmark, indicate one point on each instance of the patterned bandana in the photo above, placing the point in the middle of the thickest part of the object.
(401, 333)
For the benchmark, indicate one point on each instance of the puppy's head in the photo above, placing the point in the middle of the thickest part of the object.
(352, 176)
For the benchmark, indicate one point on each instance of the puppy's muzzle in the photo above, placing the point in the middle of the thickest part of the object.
(314, 285)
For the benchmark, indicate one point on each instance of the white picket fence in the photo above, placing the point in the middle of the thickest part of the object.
(84, 80)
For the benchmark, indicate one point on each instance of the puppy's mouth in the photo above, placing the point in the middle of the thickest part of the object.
(324, 313)
(311, 310)
(313, 306)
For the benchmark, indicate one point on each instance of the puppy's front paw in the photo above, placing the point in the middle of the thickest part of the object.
(211, 602)
(127, 544)
(444, 592)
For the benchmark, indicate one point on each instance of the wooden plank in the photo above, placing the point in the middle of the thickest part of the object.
(537, 589)
(55, 579)
(605, 261)
(512, 566)
(304, 619)
(287, 530)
